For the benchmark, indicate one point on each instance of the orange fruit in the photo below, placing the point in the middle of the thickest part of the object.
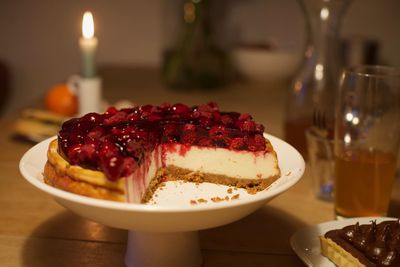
(62, 100)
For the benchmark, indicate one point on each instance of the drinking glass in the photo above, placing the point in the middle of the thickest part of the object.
(320, 157)
(367, 137)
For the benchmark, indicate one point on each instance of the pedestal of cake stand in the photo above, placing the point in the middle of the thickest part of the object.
(179, 249)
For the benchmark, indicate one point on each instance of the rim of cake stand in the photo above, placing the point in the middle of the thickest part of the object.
(292, 179)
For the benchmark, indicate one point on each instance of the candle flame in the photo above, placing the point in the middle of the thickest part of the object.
(87, 25)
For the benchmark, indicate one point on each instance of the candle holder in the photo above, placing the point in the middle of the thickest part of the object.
(88, 92)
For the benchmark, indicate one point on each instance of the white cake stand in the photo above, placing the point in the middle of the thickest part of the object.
(164, 233)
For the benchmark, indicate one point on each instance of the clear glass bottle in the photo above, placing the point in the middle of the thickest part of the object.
(313, 88)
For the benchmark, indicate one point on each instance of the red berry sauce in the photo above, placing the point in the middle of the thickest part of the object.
(117, 141)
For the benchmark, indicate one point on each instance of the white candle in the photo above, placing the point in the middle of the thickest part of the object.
(88, 45)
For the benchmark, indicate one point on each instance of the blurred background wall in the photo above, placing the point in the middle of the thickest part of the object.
(39, 39)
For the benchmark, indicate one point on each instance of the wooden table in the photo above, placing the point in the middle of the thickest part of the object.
(36, 231)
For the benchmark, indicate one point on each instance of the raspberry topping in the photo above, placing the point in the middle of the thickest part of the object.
(117, 141)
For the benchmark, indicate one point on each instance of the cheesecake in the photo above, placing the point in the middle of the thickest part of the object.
(126, 154)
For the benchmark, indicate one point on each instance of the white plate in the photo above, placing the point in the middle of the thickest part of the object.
(173, 211)
(305, 242)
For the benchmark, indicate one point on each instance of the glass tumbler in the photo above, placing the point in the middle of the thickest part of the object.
(367, 137)
(321, 160)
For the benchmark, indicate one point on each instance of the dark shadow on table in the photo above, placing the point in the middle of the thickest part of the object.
(60, 241)
(268, 227)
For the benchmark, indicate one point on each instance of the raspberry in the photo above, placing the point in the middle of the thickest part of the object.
(248, 126)
(239, 124)
(131, 130)
(139, 133)
(218, 130)
(128, 110)
(209, 107)
(260, 128)
(205, 122)
(170, 130)
(227, 120)
(155, 110)
(135, 148)
(189, 127)
(180, 109)
(107, 138)
(238, 143)
(118, 117)
(128, 166)
(170, 139)
(250, 143)
(93, 118)
(153, 117)
(213, 105)
(112, 166)
(77, 137)
(204, 108)
(74, 154)
(82, 154)
(69, 124)
(96, 133)
(188, 134)
(188, 138)
(244, 117)
(259, 141)
(145, 114)
(255, 143)
(110, 111)
(108, 149)
(110, 160)
(221, 141)
(204, 141)
(216, 116)
(116, 131)
(83, 125)
(89, 153)
(91, 141)
(165, 106)
(146, 108)
(133, 117)
(196, 114)
(220, 136)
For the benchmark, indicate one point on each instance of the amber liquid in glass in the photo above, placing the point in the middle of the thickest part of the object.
(363, 183)
(295, 134)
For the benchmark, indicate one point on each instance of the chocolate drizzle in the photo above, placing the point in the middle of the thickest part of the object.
(372, 244)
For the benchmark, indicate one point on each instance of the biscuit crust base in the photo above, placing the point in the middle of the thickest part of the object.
(337, 254)
(67, 183)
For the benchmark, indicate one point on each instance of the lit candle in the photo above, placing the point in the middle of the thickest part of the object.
(88, 45)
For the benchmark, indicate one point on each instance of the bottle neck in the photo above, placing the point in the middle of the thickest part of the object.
(323, 19)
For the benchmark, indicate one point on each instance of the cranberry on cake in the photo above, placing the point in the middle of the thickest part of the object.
(364, 245)
(124, 155)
